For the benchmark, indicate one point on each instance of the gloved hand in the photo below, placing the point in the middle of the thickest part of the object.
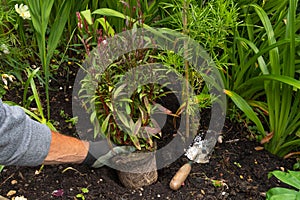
(115, 151)
(101, 152)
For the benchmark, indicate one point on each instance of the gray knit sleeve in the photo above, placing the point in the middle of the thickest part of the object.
(23, 141)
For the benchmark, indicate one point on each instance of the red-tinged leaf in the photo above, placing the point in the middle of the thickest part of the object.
(143, 114)
(163, 109)
(150, 142)
(137, 126)
(147, 105)
(151, 130)
(58, 193)
(181, 109)
(136, 142)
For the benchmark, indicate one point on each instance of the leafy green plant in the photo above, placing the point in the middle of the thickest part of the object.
(40, 14)
(211, 23)
(83, 191)
(68, 119)
(268, 68)
(37, 114)
(291, 178)
(14, 55)
(96, 24)
(139, 129)
(111, 121)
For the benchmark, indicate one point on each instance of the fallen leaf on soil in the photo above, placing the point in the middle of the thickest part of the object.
(259, 148)
(267, 138)
(291, 154)
(58, 193)
(11, 192)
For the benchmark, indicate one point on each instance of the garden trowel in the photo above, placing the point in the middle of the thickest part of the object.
(199, 152)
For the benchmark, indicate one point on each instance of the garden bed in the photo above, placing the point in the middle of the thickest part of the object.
(235, 171)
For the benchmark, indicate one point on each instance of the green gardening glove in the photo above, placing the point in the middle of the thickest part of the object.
(102, 160)
(101, 152)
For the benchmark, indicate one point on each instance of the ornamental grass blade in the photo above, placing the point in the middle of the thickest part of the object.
(57, 28)
(281, 78)
(245, 107)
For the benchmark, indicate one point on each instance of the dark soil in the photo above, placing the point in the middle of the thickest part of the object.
(235, 171)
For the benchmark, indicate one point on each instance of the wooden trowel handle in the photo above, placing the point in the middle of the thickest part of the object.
(180, 176)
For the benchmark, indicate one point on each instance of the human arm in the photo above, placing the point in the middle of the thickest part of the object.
(66, 149)
(26, 142)
(23, 141)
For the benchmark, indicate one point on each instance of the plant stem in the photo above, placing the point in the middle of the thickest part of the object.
(186, 66)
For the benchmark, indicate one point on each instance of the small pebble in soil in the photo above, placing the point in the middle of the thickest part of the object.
(11, 193)
(158, 195)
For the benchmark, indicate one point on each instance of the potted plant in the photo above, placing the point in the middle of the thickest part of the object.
(124, 111)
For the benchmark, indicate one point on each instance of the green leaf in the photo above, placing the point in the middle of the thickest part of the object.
(84, 190)
(87, 16)
(291, 178)
(123, 119)
(93, 116)
(57, 28)
(278, 193)
(105, 124)
(281, 78)
(135, 141)
(37, 100)
(80, 196)
(111, 13)
(31, 75)
(274, 54)
(298, 133)
(118, 90)
(244, 106)
(1, 168)
(106, 26)
(127, 108)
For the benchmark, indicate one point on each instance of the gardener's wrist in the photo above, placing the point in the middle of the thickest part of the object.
(96, 150)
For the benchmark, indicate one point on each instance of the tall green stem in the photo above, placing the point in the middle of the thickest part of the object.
(186, 66)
